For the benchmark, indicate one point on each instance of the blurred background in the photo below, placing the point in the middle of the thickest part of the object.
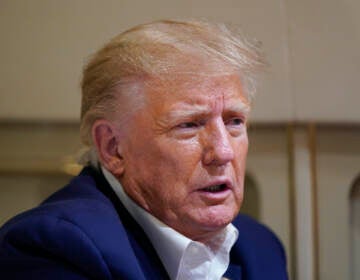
(303, 177)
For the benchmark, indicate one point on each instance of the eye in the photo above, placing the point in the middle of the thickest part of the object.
(188, 125)
(235, 126)
(187, 129)
(235, 122)
(191, 124)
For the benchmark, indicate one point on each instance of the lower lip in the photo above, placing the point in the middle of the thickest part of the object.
(215, 196)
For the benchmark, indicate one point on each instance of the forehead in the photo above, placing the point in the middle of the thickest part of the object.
(195, 91)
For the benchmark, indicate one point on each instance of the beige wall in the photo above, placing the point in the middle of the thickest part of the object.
(20, 192)
(311, 45)
(338, 167)
(324, 40)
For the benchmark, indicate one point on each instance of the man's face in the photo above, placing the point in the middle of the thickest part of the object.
(185, 151)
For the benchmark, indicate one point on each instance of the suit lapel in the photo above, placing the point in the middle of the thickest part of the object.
(233, 272)
(144, 251)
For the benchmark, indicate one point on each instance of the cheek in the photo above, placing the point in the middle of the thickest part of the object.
(181, 156)
(162, 162)
(241, 150)
(175, 166)
(241, 146)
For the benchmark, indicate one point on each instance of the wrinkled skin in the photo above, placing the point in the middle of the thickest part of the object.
(181, 141)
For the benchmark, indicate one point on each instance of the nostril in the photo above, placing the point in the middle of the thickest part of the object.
(208, 156)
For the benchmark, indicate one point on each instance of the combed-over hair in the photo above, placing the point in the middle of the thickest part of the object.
(165, 50)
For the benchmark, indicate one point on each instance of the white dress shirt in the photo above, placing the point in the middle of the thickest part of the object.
(182, 257)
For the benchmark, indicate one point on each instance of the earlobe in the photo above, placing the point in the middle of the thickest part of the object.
(115, 166)
(105, 138)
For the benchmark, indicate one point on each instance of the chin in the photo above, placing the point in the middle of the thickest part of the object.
(217, 217)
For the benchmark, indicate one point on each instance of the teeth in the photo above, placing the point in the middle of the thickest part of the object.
(214, 188)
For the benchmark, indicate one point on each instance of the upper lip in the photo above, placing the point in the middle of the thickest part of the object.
(216, 182)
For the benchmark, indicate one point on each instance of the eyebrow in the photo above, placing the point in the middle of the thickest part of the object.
(239, 107)
(188, 111)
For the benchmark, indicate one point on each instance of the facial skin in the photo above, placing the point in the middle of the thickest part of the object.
(182, 141)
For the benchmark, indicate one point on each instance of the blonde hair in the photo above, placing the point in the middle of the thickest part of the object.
(163, 49)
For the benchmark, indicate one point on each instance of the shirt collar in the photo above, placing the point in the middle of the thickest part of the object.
(168, 243)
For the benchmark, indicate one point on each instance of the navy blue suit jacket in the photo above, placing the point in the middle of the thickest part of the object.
(84, 232)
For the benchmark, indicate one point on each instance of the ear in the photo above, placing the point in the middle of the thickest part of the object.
(105, 138)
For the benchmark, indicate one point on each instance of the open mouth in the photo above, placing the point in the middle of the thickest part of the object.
(215, 188)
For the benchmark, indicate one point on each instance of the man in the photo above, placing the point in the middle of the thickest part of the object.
(164, 113)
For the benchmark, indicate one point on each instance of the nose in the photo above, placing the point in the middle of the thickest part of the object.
(217, 145)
